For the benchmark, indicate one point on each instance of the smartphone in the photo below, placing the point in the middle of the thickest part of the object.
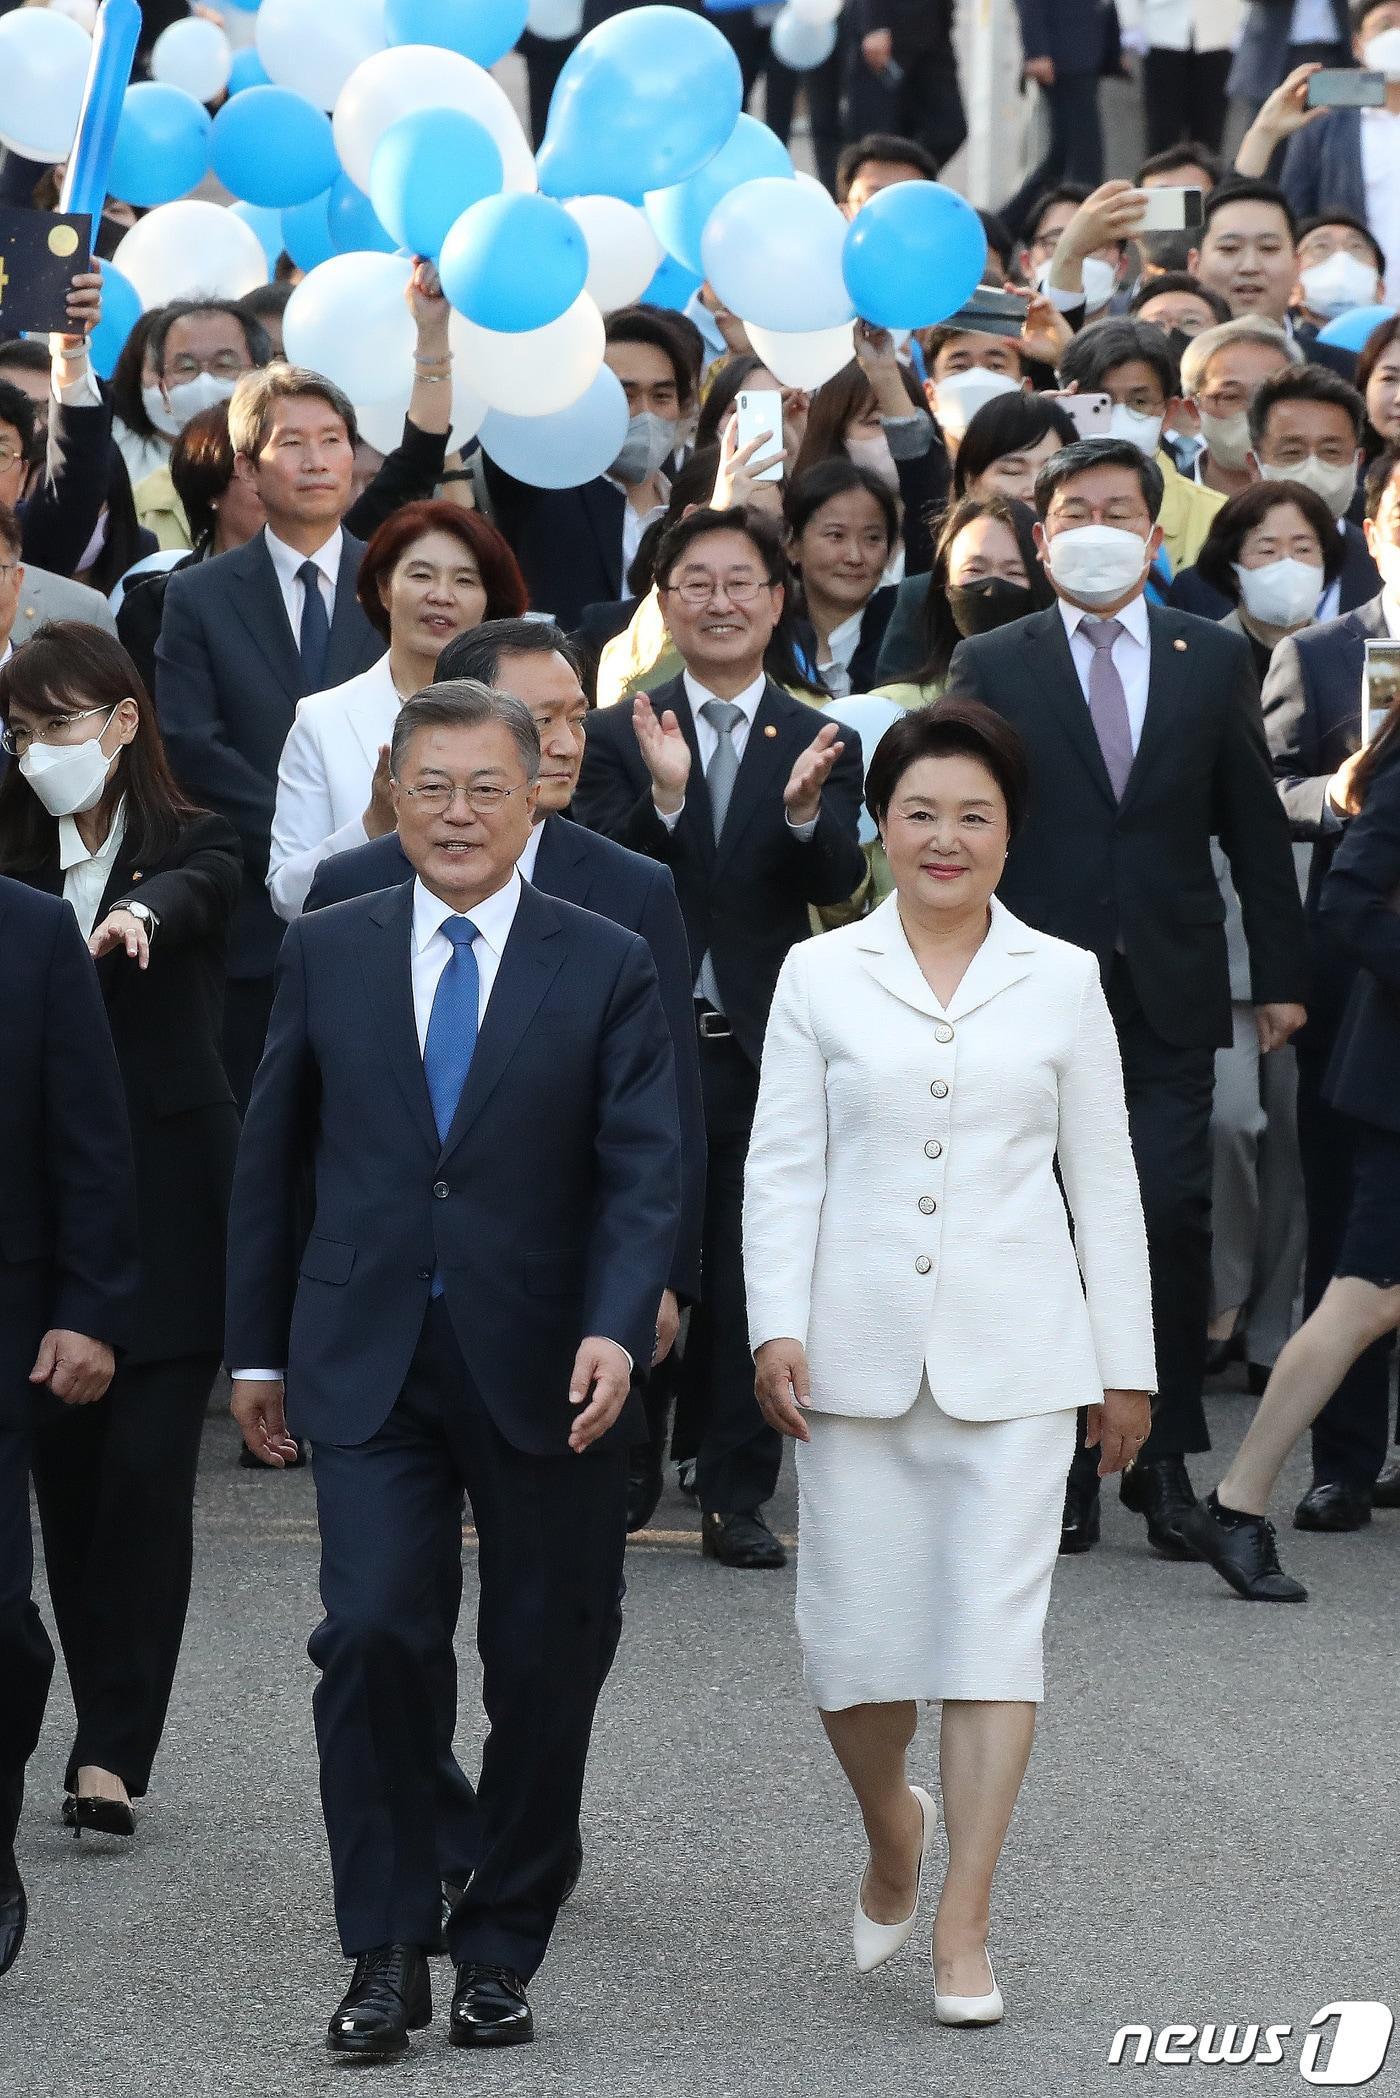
(1346, 88)
(1171, 211)
(760, 414)
(991, 311)
(1090, 413)
(1380, 687)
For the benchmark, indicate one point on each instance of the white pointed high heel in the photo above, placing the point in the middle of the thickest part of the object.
(969, 2010)
(874, 1943)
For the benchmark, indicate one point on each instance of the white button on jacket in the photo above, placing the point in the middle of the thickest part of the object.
(859, 1092)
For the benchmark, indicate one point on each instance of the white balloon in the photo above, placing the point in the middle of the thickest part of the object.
(541, 370)
(807, 360)
(43, 66)
(194, 55)
(772, 250)
(347, 319)
(83, 12)
(420, 76)
(384, 419)
(314, 48)
(815, 11)
(564, 450)
(801, 44)
(623, 252)
(555, 19)
(191, 250)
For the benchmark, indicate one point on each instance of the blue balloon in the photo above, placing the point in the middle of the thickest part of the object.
(266, 224)
(429, 168)
(247, 71)
(273, 147)
(483, 30)
(121, 310)
(641, 103)
(513, 263)
(351, 218)
(678, 215)
(914, 254)
(563, 450)
(162, 148)
(306, 233)
(673, 286)
(1353, 330)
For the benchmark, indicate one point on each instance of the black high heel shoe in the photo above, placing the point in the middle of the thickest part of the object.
(101, 1817)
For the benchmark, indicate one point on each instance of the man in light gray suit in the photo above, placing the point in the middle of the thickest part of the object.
(29, 596)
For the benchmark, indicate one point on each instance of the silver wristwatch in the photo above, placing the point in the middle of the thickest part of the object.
(144, 913)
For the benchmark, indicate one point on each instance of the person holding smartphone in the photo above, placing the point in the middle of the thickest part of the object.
(903, 75)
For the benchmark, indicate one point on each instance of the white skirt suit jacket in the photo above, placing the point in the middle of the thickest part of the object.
(903, 1222)
(323, 780)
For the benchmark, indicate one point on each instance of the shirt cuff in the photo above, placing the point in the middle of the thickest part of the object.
(1063, 301)
(80, 392)
(668, 822)
(1332, 818)
(803, 831)
(908, 436)
(257, 1376)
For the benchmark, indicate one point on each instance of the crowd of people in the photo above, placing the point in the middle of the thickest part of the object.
(546, 985)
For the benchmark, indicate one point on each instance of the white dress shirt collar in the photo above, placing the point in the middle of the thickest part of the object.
(1390, 612)
(1132, 617)
(747, 701)
(525, 865)
(73, 853)
(492, 918)
(287, 561)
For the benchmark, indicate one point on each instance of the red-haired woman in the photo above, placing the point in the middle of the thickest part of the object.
(431, 571)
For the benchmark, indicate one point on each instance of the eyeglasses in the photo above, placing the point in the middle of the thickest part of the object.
(10, 454)
(16, 741)
(698, 590)
(436, 797)
(224, 364)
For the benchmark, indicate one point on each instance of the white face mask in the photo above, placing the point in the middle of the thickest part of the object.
(1335, 484)
(1381, 54)
(873, 453)
(1281, 593)
(1100, 278)
(193, 396)
(1227, 439)
(153, 401)
(957, 398)
(1338, 284)
(1097, 564)
(69, 778)
(1142, 430)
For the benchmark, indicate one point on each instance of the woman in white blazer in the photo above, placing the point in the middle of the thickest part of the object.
(431, 571)
(921, 1323)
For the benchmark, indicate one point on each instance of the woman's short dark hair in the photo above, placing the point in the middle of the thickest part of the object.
(1235, 520)
(201, 467)
(728, 382)
(506, 595)
(1377, 343)
(941, 634)
(950, 727)
(67, 666)
(1012, 422)
(125, 383)
(837, 404)
(810, 491)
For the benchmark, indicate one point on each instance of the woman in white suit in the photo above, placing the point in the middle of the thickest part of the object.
(919, 1321)
(431, 571)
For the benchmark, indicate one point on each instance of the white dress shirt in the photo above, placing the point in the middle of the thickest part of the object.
(432, 950)
(1380, 169)
(841, 646)
(286, 561)
(86, 874)
(525, 865)
(1131, 653)
(1313, 22)
(707, 736)
(1390, 612)
(1187, 25)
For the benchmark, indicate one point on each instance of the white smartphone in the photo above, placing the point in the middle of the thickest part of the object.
(760, 414)
(1091, 413)
(1380, 687)
(1171, 211)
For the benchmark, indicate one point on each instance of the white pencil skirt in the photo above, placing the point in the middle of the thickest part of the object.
(926, 1546)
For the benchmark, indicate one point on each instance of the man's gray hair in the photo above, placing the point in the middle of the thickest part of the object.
(465, 703)
(1244, 328)
(257, 393)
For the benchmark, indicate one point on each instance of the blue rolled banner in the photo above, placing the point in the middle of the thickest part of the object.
(114, 43)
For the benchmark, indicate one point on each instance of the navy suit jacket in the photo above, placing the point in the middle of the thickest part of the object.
(228, 680)
(550, 1210)
(1073, 32)
(594, 873)
(1357, 911)
(568, 541)
(1360, 579)
(1322, 166)
(67, 1186)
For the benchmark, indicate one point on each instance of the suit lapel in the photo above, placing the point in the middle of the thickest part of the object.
(603, 506)
(386, 965)
(886, 953)
(345, 655)
(697, 817)
(768, 756)
(1005, 956)
(562, 863)
(534, 952)
(1171, 666)
(255, 596)
(1051, 674)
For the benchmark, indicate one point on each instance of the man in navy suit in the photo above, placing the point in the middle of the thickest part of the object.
(533, 660)
(478, 1083)
(245, 637)
(67, 1277)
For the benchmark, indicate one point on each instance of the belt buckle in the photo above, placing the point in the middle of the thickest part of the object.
(712, 1026)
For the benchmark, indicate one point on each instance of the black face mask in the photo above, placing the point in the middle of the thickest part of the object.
(1180, 341)
(990, 602)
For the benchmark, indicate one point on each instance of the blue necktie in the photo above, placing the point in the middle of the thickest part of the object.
(447, 1052)
(315, 630)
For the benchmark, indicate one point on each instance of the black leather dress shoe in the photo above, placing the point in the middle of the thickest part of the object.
(389, 1997)
(643, 1486)
(575, 1868)
(1243, 1550)
(1328, 1504)
(1160, 1488)
(1386, 1491)
(741, 1540)
(490, 2008)
(14, 1910)
(1079, 1530)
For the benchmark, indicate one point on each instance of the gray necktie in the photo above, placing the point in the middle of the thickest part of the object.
(1108, 703)
(724, 718)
